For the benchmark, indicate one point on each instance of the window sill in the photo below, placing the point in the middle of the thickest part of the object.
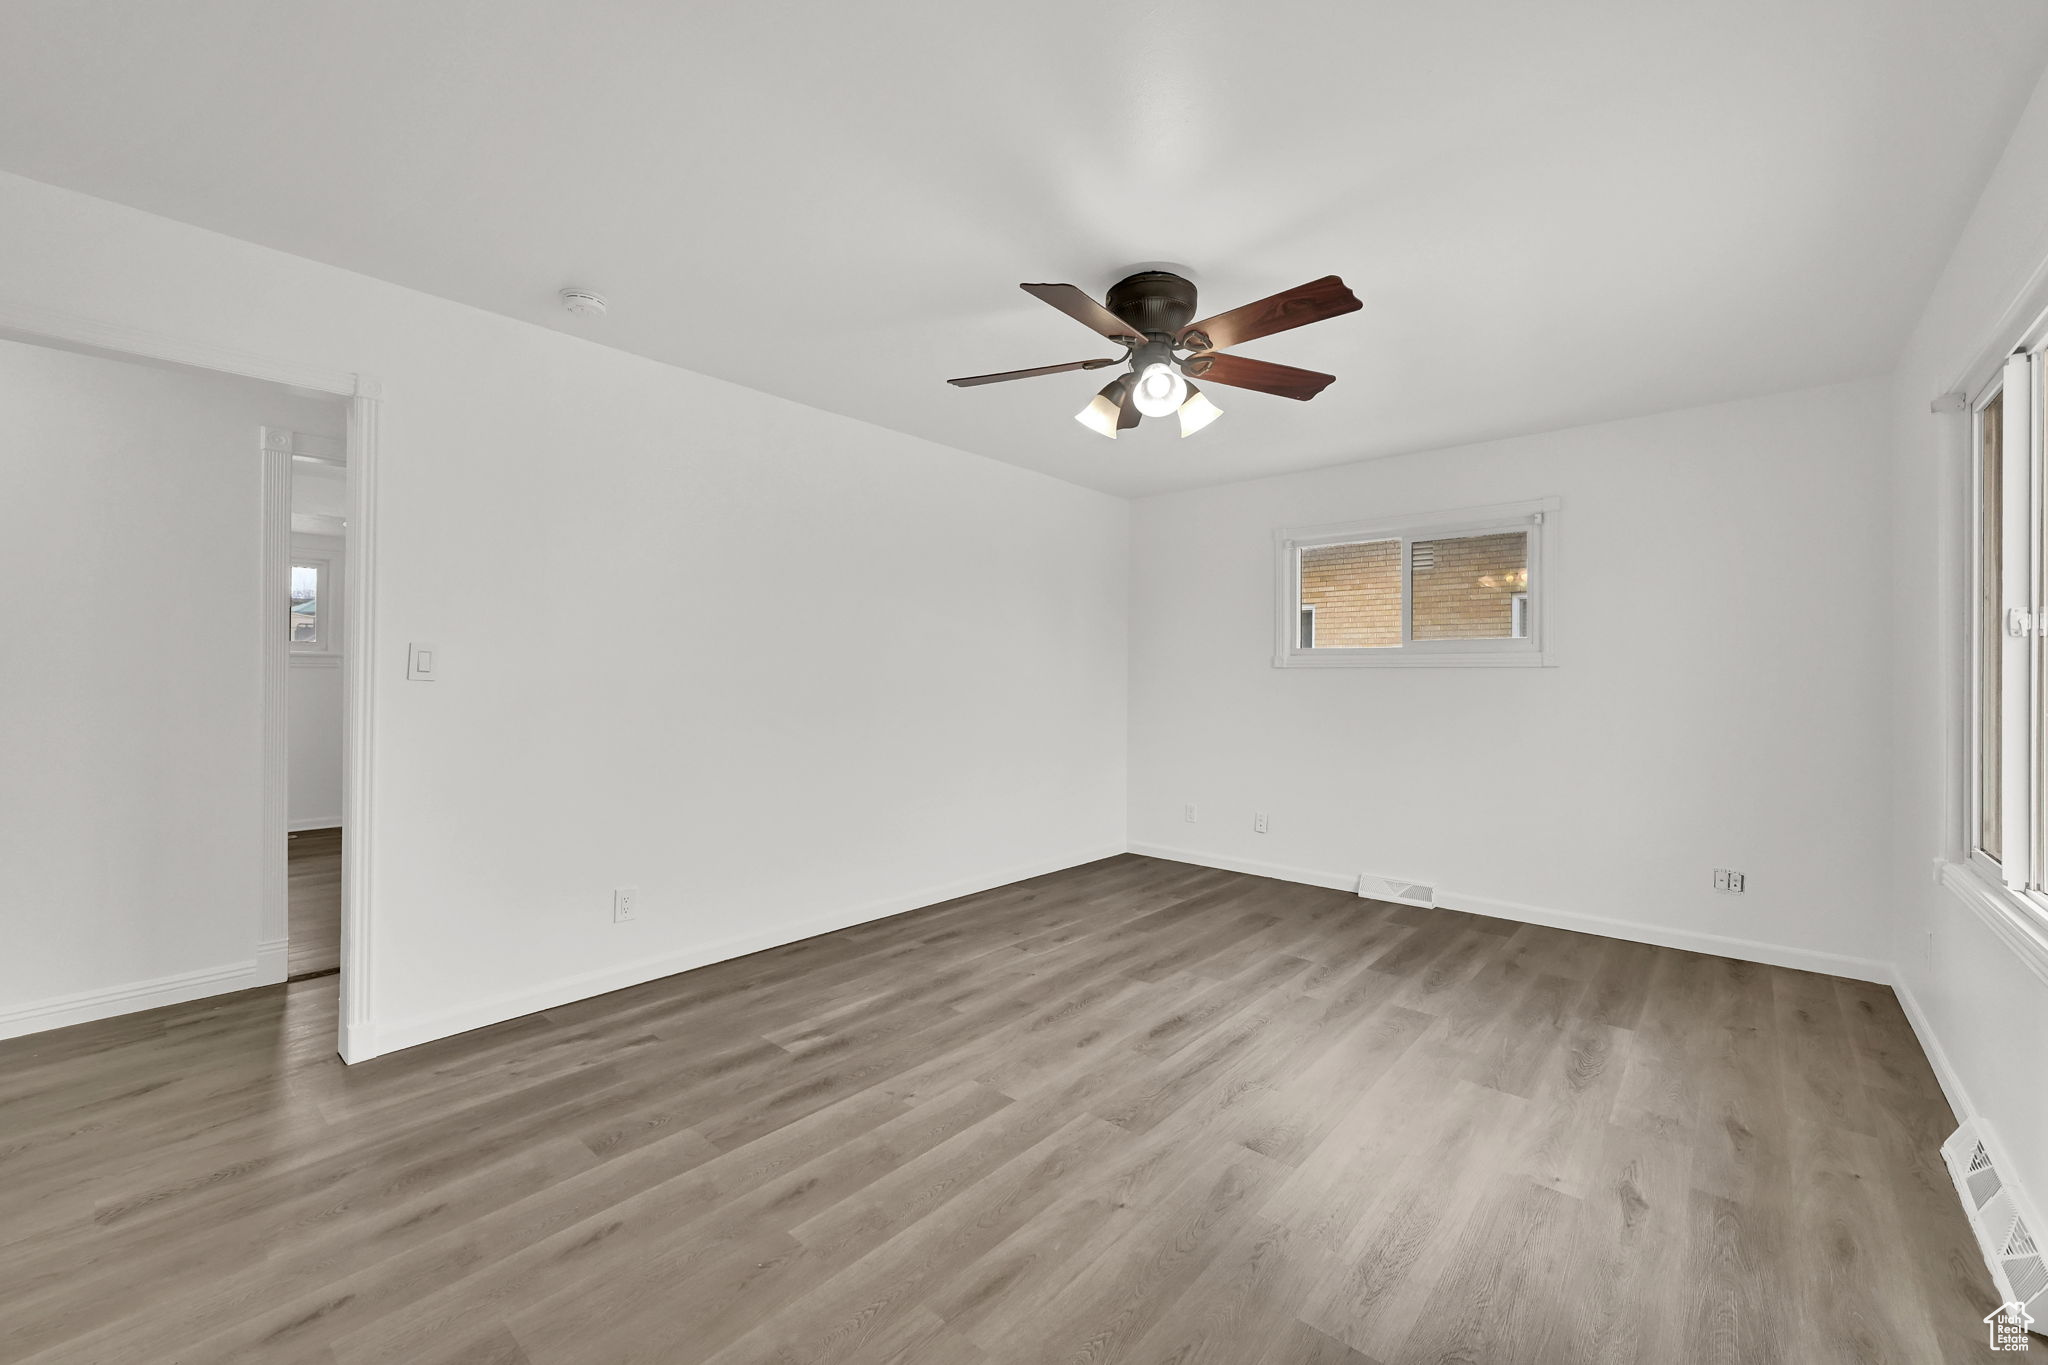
(1396, 658)
(2018, 924)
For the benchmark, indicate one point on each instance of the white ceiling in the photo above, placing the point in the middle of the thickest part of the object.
(1555, 212)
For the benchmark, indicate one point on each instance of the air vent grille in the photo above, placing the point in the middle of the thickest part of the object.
(1401, 890)
(1984, 1183)
(2028, 1277)
(1997, 1215)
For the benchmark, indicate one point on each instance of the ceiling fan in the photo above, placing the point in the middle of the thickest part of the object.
(1148, 314)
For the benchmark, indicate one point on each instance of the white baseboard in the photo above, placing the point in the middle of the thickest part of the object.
(1973, 1127)
(376, 1040)
(314, 822)
(356, 1041)
(1718, 945)
(273, 961)
(1688, 940)
(1336, 881)
(1945, 1071)
(85, 1006)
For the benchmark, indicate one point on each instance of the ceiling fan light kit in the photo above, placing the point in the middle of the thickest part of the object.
(1147, 314)
(1105, 408)
(1197, 412)
(1160, 387)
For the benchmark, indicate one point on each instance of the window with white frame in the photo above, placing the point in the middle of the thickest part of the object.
(312, 608)
(2007, 817)
(313, 591)
(305, 604)
(1448, 588)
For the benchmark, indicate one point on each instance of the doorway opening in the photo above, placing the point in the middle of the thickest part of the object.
(317, 645)
(186, 694)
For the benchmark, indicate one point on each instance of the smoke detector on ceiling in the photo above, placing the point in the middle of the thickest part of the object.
(584, 303)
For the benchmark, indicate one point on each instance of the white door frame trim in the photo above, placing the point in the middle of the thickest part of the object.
(274, 961)
(358, 710)
(45, 327)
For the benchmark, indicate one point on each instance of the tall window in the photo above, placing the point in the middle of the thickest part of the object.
(1444, 588)
(305, 608)
(1990, 615)
(313, 615)
(2007, 822)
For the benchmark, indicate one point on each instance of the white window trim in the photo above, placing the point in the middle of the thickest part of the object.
(2015, 499)
(2014, 920)
(2010, 895)
(1538, 518)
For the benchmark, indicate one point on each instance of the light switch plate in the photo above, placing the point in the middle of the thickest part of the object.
(422, 662)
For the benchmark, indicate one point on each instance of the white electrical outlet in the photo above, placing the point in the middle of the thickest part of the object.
(1187, 812)
(1258, 822)
(1728, 880)
(625, 904)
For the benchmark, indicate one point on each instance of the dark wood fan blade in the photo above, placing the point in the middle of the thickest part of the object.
(971, 380)
(1086, 311)
(1241, 372)
(1296, 307)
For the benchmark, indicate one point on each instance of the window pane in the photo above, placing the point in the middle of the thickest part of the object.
(1354, 594)
(1990, 579)
(1465, 586)
(305, 604)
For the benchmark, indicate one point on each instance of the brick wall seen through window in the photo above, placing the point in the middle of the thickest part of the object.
(1356, 593)
(1464, 587)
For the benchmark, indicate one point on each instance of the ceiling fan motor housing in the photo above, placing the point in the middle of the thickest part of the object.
(1153, 301)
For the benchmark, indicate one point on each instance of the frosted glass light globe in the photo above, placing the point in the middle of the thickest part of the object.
(1161, 390)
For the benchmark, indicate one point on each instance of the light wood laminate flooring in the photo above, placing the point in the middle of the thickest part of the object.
(1137, 1111)
(314, 869)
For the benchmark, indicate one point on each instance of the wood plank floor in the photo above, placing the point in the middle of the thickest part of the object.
(1136, 1111)
(314, 864)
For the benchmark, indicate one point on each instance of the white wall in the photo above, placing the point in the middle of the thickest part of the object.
(779, 669)
(313, 769)
(131, 737)
(1984, 1012)
(1718, 613)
